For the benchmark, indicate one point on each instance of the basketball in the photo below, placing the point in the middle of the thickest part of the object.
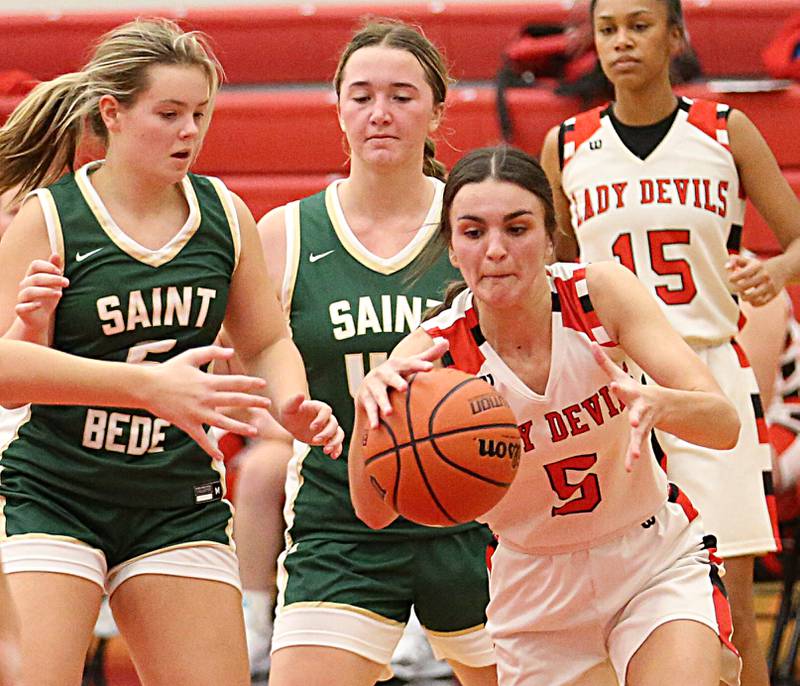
(447, 453)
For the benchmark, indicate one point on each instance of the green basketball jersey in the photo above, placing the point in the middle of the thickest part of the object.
(127, 302)
(348, 309)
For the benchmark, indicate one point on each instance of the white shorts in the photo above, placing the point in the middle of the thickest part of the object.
(371, 636)
(42, 553)
(552, 618)
(732, 489)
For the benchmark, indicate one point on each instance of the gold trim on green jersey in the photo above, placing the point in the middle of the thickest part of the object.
(48, 537)
(52, 221)
(316, 604)
(226, 199)
(294, 475)
(291, 218)
(383, 265)
(153, 258)
(460, 632)
(168, 548)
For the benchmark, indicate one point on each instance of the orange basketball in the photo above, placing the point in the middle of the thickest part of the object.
(447, 453)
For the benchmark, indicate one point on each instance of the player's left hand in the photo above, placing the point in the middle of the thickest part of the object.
(312, 422)
(755, 281)
(639, 399)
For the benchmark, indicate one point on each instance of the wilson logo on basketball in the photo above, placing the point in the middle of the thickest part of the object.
(500, 449)
(486, 402)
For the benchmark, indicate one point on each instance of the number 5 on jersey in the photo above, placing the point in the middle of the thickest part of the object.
(104, 430)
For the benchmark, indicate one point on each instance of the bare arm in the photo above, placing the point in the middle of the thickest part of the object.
(28, 278)
(416, 352)
(686, 402)
(257, 327)
(758, 282)
(272, 232)
(176, 390)
(763, 338)
(566, 245)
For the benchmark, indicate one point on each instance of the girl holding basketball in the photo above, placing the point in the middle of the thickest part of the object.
(599, 557)
(700, 159)
(156, 259)
(343, 257)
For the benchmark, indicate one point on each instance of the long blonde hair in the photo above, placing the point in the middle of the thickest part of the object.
(40, 138)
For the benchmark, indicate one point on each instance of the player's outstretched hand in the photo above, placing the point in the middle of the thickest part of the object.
(373, 393)
(639, 399)
(755, 281)
(189, 398)
(39, 293)
(312, 422)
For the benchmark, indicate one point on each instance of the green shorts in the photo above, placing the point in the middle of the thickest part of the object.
(444, 577)
(120, 533)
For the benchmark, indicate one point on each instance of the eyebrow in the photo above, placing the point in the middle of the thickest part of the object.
(396, 84)
(635, 13)
(180, 103)
(506, 218)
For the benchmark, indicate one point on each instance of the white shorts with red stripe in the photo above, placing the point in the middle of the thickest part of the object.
(553, 618)
(732, 489)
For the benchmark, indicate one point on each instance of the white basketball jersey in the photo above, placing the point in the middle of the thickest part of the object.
(571, 490)
(672, 218)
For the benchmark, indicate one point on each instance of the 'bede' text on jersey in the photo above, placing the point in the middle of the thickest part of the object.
(710, 195)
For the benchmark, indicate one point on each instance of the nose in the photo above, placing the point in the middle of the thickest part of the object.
(381, 112)
(622, 38)
(495, 246)
(190, 128)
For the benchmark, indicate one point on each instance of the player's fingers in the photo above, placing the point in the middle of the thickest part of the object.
(605, 363)
(323, 416)
(201, 438)
(735, 261)
(371, 409)
(44, 279)
(392, 378)
(27, 307)
(221, 421)
(205, 354)
(327, 434)
(235, 399)
(293, 404)
(57, 261)
(46, 266)
(440, 347)
(334, 448)
(39, 293)
(240, 383)
(634, 449)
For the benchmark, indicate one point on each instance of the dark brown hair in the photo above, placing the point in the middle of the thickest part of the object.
(501, 163)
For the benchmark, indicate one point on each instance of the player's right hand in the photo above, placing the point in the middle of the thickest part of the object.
(190, 398)
(40, 292)
(373, 393)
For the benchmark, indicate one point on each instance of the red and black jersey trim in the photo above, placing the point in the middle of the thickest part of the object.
(761, 423)
(734, 244)
(658, 451)
(676, 495)
(577, 130)
(772, 507)
(711, 118)
(577, 311)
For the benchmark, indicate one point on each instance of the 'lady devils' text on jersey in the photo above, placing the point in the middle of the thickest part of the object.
(672, 218)
(129, 303)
